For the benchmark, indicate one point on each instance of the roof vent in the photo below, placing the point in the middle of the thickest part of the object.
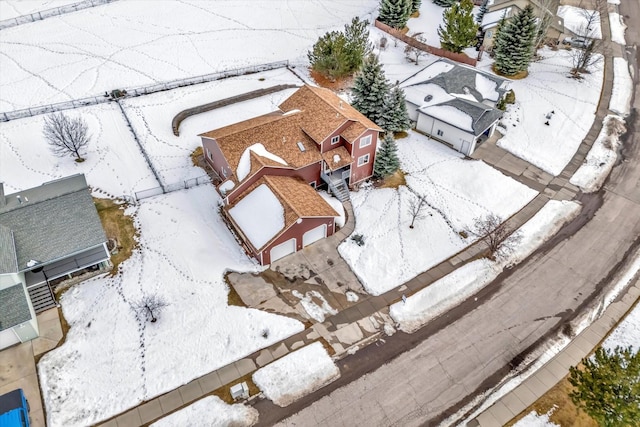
(428, 98)
(341, 105)
(336, 158)
(19, 199)
(301, 147)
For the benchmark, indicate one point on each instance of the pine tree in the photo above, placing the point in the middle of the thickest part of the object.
(608, 388)
(337, 54)
(395, 117)
(459, 31)
(395, 13)
(387, 162)
(445, 3)
(514, 43)
(481, 12)
(415, 6)
(370, 89)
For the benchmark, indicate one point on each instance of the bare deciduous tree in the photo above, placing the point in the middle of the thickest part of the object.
(150, 307)
(412, 53)
(544, 16)
(585, 56)
(66, 135)
(416, 209)
(496, 235)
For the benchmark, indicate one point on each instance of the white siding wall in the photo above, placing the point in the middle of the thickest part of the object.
(8, 338)
(450, 134)
(412, 109)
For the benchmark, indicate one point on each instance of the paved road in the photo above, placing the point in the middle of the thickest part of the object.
(474, 346)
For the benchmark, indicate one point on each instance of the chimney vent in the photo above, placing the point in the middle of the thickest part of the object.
(3, 200)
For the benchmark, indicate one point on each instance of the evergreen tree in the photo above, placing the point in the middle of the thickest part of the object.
(459, 31)
(513, 46)
(481, 12)
(445, 3)
(337, 54)
(370, 89)
(387, 162)
(415, 6)
(608, 388)
(330, 55)
(358, 46)
(395, 13)
(395, 117)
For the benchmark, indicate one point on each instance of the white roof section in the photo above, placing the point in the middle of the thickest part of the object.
(428, 73)
(449, 114)
(259, 215)
(244, 165)
(419, 94)
(487, 87)
(491, 19)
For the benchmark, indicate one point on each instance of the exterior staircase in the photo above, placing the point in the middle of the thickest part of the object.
(339, 189)
(42, 297)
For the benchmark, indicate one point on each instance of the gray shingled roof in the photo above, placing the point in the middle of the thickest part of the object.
(15, 309)
(462, 79)
(8, 260)
(482, 116)
(55, 220)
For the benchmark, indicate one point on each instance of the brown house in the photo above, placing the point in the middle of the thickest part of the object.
(269, 166)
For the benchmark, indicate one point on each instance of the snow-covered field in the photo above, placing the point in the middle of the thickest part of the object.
(601, 158)
(622, 88)
(548, 94)
(130, 44)
(112, 359)
(211, 411)
(460, 284)
(296, 374)
(456, 190)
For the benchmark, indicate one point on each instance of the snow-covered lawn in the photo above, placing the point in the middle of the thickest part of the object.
(570, 105)
(460, 284)
(617, 28)
(457, 191)
(601, 158)
(151, 117)
(112, 359)
(532, 419)
(576, 19)
(296, 374)
(130, 44)
(622, 88)
(211, 411)
(113, 164)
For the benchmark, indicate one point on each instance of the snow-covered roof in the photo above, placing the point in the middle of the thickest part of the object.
(458, 80)
(427, 73)
(244, 165)
(259, 215)
(470, 116)
(491, 19)
(449, 114)
(426, 94)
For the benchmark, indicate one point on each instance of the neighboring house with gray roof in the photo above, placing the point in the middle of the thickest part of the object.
(46, 233)
(455, 103)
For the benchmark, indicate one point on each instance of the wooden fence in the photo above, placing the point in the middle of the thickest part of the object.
(458, 57)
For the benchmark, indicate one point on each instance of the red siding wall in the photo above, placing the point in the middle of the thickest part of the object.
(364, 171)
(326, 144)
(297, 231)
(218, 162)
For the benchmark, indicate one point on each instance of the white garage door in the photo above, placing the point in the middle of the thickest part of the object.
(314, 235)
(283, 249)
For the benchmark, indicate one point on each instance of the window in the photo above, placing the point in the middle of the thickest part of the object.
(363, 160)
(439, 133)
(335, 139)
(365, 141)
(489, 34)
(210, 155)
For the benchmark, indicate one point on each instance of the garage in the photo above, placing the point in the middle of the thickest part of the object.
(283, 249)
(315, 234)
